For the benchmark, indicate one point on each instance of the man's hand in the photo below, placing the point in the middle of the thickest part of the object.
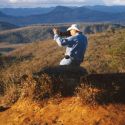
(55, 31)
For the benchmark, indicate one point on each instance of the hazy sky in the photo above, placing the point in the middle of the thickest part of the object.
(43, 3)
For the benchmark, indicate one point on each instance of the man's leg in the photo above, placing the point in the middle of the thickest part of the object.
(75, 63)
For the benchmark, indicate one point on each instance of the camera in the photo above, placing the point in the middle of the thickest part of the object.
(64, 34)
(62, 31)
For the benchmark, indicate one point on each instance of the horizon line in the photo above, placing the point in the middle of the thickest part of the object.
(60, 5)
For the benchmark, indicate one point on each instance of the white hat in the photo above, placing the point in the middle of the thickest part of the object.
(73, 27)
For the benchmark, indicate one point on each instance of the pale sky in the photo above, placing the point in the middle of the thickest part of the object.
(43, 3)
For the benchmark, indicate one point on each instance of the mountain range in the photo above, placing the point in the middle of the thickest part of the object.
(25, 11)
(111, 9)
(62, 14)
(35, 11)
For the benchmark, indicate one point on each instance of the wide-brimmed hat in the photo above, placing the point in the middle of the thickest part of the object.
(74, 27)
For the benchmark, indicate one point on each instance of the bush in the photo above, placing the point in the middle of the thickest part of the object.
(94, 95)
(11, 95)
(88, 94)
(44, 86)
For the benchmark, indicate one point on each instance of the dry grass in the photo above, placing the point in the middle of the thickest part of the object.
(88, 94)
(104, 47)
(31, 58)
(12, 94)
(108, 49)
(21, 79)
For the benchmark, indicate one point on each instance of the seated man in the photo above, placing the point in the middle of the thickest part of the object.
(75, 45)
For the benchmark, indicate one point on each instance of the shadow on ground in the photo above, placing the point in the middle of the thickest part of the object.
(64, 78)
(111, 86)
(68, 81)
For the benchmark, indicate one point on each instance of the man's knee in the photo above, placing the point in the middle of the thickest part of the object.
(61, 62)
(65, 62)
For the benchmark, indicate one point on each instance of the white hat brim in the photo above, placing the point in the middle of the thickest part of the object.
(73, 28)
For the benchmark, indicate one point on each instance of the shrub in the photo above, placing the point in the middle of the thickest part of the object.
(40, 87)
(92, 94)
(88, 94)
(11, 94)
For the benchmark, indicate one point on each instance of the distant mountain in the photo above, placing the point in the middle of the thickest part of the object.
(7, 26)
(63, 14)
(42, 32)
(9, 19)
(2, 14)
(25, 11)
(81, 14)
(36, 11)
(111, 9)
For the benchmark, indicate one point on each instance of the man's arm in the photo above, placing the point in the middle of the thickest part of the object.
(60, 41)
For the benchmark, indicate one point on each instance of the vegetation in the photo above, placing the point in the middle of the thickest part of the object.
(39, 32)
(7, 26)
(26, 34)
(108, 48)
(30, 78)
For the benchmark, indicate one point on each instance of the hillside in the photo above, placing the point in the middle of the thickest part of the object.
(42, 32)
(110, 44)
(7, 26)
(30, 97)
(26, 34)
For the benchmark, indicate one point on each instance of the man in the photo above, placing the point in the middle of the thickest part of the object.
(75, 45)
